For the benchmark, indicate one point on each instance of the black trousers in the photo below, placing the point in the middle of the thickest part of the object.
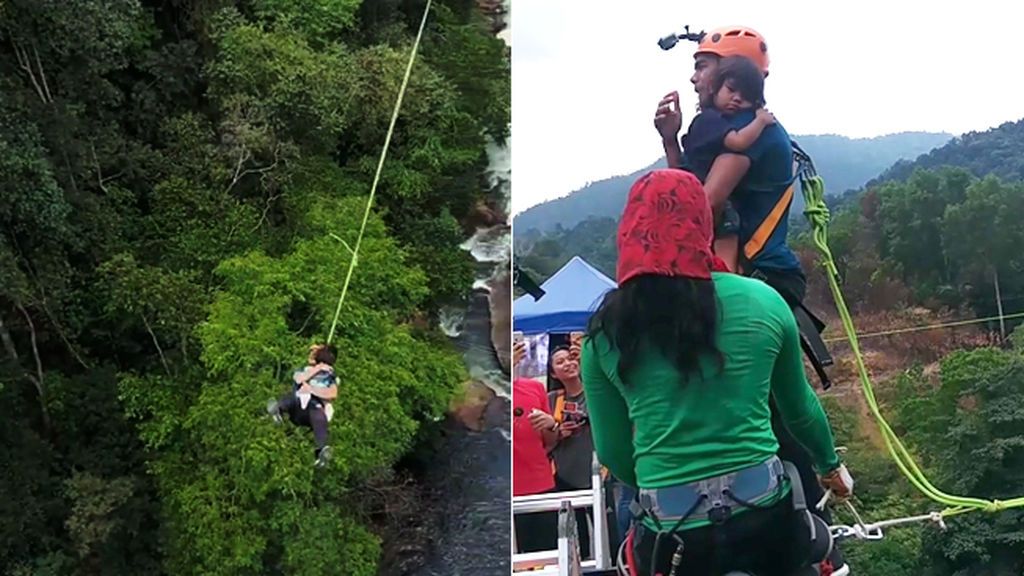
(312, 416)
(538, 531)
(766, 542)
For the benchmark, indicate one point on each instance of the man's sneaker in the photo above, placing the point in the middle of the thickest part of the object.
(275, 411)
(323, 456)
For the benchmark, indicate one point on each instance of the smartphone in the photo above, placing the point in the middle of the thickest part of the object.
(576, 338)
(517, 337)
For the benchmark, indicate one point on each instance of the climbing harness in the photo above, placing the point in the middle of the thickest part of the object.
(707, 499)
(711, 499)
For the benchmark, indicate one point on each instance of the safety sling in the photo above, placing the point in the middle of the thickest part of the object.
(714, 499)
(810, 325)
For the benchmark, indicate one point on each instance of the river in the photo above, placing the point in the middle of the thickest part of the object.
(465, 480)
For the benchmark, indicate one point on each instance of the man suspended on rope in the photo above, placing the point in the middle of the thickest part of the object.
(758, 182)
(678, 367)
(309, 403)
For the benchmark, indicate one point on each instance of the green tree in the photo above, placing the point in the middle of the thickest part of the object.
(910, 215)
(981, 239)
(980, 454)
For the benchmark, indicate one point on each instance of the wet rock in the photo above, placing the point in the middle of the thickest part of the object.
(470, 410)
(501, 319)
(484, 216)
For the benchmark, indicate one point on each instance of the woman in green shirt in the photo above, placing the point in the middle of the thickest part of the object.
(677, 368)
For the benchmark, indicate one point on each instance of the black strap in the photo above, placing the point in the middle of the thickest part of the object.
(810, 327)
(639, 513)
(795, 485)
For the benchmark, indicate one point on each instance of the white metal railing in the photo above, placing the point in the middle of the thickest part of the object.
(565, 560)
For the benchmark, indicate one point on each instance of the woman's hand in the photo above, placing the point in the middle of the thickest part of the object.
(840, 482)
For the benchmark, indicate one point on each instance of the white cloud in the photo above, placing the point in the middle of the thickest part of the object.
(587, 76)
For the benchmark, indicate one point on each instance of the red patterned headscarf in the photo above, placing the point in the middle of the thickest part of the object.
(667, 229)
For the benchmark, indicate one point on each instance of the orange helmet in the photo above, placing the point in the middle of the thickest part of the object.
(736, 41)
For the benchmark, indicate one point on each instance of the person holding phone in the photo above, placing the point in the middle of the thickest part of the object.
(567, 425)
(531, 469)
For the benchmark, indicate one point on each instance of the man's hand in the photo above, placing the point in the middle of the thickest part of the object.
(839, 482)
(541, 421)
(668, 119)
(764, 116)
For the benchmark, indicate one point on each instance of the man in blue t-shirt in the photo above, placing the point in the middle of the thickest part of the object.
(308, 403)
(759, 184)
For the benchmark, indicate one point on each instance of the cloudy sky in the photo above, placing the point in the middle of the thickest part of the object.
(587, 76)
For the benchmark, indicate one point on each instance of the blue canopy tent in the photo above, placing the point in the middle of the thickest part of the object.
(571, 296)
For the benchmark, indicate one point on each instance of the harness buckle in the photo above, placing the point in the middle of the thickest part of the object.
(757, 274)
(872, 533)
(719, 513)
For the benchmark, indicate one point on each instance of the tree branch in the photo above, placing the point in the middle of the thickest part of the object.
(245, 157)
(163, 359)
(38, 378)
(71, 172)
(42, 74)
(26, 65)
(60, 331)
(46, 308)
(266, 210)
(99, 170)
(8, 342)
(242, 159)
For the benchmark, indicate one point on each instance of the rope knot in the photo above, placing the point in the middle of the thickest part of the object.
(995, 506)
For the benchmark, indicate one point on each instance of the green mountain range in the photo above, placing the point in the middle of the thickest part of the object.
(845, 163)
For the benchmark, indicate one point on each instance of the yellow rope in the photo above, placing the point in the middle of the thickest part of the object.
(380, 168)
(817, 213)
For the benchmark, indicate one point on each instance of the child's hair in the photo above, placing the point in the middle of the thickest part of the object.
(325, 354)
(743, 76)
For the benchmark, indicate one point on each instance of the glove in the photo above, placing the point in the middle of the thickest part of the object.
(839, 482)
